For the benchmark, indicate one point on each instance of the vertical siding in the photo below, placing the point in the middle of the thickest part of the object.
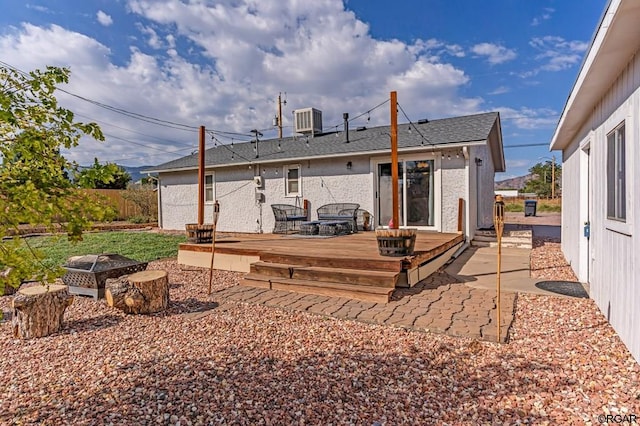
(615, 250)
(571, 217)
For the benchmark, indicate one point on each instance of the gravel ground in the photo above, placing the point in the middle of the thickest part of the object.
(203, 363)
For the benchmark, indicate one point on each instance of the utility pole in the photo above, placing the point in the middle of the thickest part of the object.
(553, 177)
(257, 133)
(279, 118)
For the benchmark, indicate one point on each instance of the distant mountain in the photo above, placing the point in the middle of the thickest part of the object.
(135, 172)
(513, 183)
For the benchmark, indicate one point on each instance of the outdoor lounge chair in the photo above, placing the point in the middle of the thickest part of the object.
(288, 218)
(340, 212)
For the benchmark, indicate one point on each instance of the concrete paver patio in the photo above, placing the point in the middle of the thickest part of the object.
(439, 304)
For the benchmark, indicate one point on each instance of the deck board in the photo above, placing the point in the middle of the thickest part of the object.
(359, 250)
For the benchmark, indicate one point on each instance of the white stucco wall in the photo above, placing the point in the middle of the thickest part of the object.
(323, 181)
(453, 187)
(179, 199)
(485, 176)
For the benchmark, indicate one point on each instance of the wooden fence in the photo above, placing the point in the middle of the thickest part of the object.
(125, 208)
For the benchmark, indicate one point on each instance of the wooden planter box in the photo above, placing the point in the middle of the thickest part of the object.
(199, 233)
(396, 242)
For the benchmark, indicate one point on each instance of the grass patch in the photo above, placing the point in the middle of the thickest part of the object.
(542, 206)
(141, 246)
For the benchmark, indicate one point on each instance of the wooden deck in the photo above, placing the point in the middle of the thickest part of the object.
(347, 266)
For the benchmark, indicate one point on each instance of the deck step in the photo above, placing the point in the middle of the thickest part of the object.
(322, 288)
(283, 270)
(359, 277)
(330, 262)
(506, 242)
(317, 273)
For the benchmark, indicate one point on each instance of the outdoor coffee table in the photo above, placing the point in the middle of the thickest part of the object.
(334, 228)
(87, 275)
(310, 228)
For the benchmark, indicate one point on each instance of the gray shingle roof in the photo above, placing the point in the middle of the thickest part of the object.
(439, 132)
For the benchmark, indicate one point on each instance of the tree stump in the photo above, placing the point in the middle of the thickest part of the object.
(144, 292)
(38, 311)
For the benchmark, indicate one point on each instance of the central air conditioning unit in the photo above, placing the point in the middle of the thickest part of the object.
(308, 121)
(257, 181)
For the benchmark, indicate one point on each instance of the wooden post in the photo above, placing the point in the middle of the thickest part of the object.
(394, 158)
(201, 177)
(498, 223)
(216, 213)
(460, 214)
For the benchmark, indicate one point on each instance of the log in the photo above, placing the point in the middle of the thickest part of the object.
(38, 311)
(144, 292)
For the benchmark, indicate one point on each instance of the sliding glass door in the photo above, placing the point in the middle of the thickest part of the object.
(415, 193)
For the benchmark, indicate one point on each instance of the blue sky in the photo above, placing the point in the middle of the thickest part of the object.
(223, 63)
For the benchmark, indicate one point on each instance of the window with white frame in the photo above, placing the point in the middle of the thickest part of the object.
(616, 182)
(209, 195)
(292, 181)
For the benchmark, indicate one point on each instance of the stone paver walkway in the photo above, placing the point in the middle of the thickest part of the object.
(438, 304)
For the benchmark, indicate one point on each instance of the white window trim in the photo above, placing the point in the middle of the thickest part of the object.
(285, 176)
(437, 185)
(616, 225)
(213, 187)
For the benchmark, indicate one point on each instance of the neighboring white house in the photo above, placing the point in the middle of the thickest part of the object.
(441, 161)
(507, 193)
(598, 134)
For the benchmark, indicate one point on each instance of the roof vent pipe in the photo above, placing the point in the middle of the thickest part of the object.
(345, 116)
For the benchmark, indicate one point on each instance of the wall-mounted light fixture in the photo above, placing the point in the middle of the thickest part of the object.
(478, 161)
(349, 165)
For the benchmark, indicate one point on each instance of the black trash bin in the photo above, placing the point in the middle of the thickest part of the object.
(530, 207)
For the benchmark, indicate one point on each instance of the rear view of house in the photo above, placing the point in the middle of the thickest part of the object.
(598, 134)
(440, 163)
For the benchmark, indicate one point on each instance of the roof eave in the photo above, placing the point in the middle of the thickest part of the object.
(614, 43)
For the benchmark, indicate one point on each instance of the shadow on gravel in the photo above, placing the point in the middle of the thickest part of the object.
(189, 306)
(91, 324)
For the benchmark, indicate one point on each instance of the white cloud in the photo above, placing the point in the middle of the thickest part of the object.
(529, 118)
(104, 19)
(495, 53)
(500, 90)
(153, 40)
(246, 53)
(545, 16)
(556, 53)
(38, 8)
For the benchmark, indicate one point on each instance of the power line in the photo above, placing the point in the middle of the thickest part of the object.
(368, 112)
(424, 139)
(526, 145)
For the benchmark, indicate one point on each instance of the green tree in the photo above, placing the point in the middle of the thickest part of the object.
(145, 197)
(34, 187)
(102, 176)
(544, 178)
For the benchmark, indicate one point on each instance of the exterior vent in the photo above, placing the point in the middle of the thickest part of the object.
(361, 128)
(308, 121)
(423, 121)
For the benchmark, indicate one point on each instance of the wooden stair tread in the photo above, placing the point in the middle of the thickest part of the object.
(323, 274)
(323, 260)
(323, 284)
